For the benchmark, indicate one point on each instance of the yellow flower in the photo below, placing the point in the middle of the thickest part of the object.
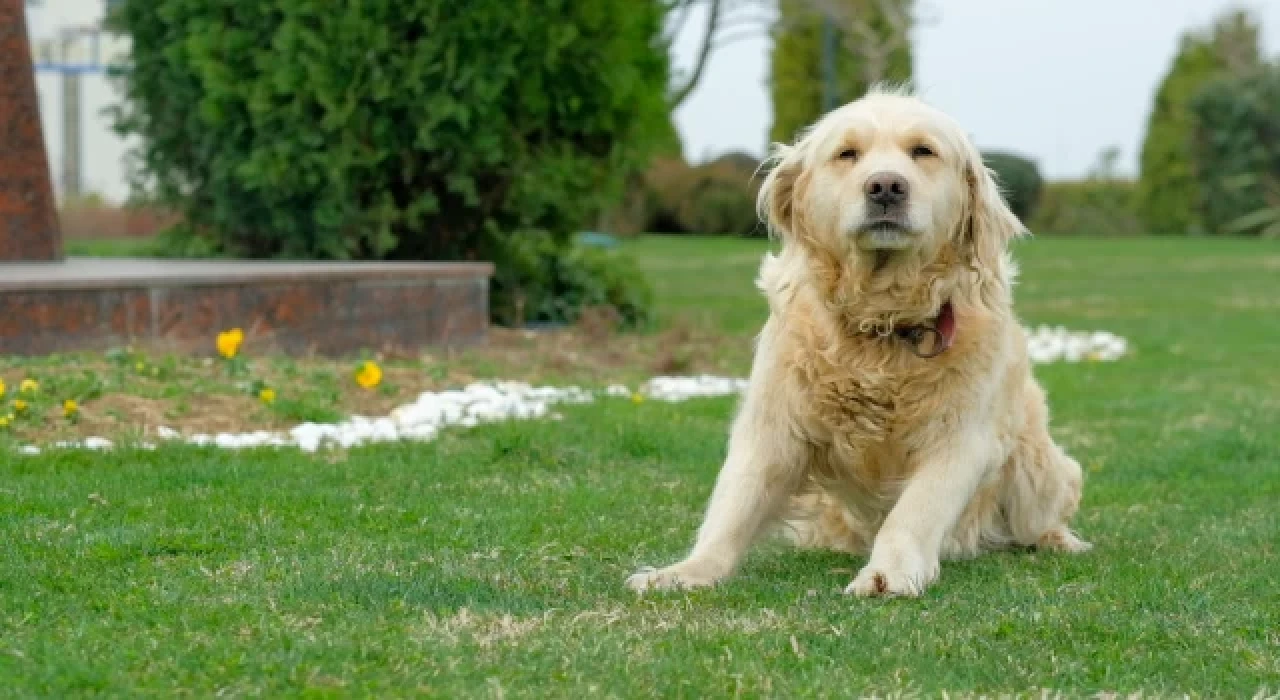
(267, 395)
(229, 342)
(19, 406)
(637, 398)
(70, 408)
(28, 386)
(2, 388)
(5, 421)
(369, 375)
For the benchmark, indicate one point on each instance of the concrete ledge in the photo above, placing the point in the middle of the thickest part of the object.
(125, 273)
(296, 307)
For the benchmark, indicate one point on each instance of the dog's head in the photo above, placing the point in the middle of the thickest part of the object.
(890, 177)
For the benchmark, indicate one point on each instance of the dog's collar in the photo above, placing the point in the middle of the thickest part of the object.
(931, 339)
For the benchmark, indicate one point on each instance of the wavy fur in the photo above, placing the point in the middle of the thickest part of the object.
(845, 437)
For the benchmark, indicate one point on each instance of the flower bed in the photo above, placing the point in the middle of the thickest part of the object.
(476, 403)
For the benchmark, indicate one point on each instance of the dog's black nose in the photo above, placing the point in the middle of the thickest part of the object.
(886, 189)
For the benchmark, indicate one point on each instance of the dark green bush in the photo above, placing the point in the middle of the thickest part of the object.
(1019, 179)
(745, 165)
(720, 199)
(711, 199)
(547, 282)
(1169, 193)
(390, 129)
(665, 183)
(1095, 207)
(1237, 152)
(650, 202)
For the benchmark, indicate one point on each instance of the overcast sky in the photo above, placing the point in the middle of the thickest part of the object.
(1058, 80)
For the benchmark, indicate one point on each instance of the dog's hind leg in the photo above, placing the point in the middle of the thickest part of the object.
(1042, 485)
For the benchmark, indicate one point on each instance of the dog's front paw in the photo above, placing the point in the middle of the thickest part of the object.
(887, 582)
(901, 573)
(678, 577)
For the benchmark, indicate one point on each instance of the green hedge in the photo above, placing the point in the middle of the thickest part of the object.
(1096, 207)
(1237, 153)
(1019, 179)
(719, 197)
(390, 129)
(715, 198)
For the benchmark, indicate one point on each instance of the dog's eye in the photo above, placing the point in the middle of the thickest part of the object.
(849, 154)
(922, 152)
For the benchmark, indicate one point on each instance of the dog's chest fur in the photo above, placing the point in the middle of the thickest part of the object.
(870, 401)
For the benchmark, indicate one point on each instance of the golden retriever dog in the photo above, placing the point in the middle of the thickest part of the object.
(890, 408)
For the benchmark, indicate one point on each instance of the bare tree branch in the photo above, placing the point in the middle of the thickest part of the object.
(896, 14)
(704, 53)
(727, 22)
(682, 10)
(925, 14)
(860, 35)
(762, 22)
(723, 41)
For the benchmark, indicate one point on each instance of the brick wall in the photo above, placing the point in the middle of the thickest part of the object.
(323, 314)
(28, 219)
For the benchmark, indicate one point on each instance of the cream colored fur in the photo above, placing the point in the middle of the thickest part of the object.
(846, 438)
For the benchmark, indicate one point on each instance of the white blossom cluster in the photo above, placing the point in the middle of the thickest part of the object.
(1057, 344)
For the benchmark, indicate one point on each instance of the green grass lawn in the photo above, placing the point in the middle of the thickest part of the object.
(491, 562)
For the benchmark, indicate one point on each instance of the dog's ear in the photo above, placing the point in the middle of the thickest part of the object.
(776, 202)
(990, 224)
